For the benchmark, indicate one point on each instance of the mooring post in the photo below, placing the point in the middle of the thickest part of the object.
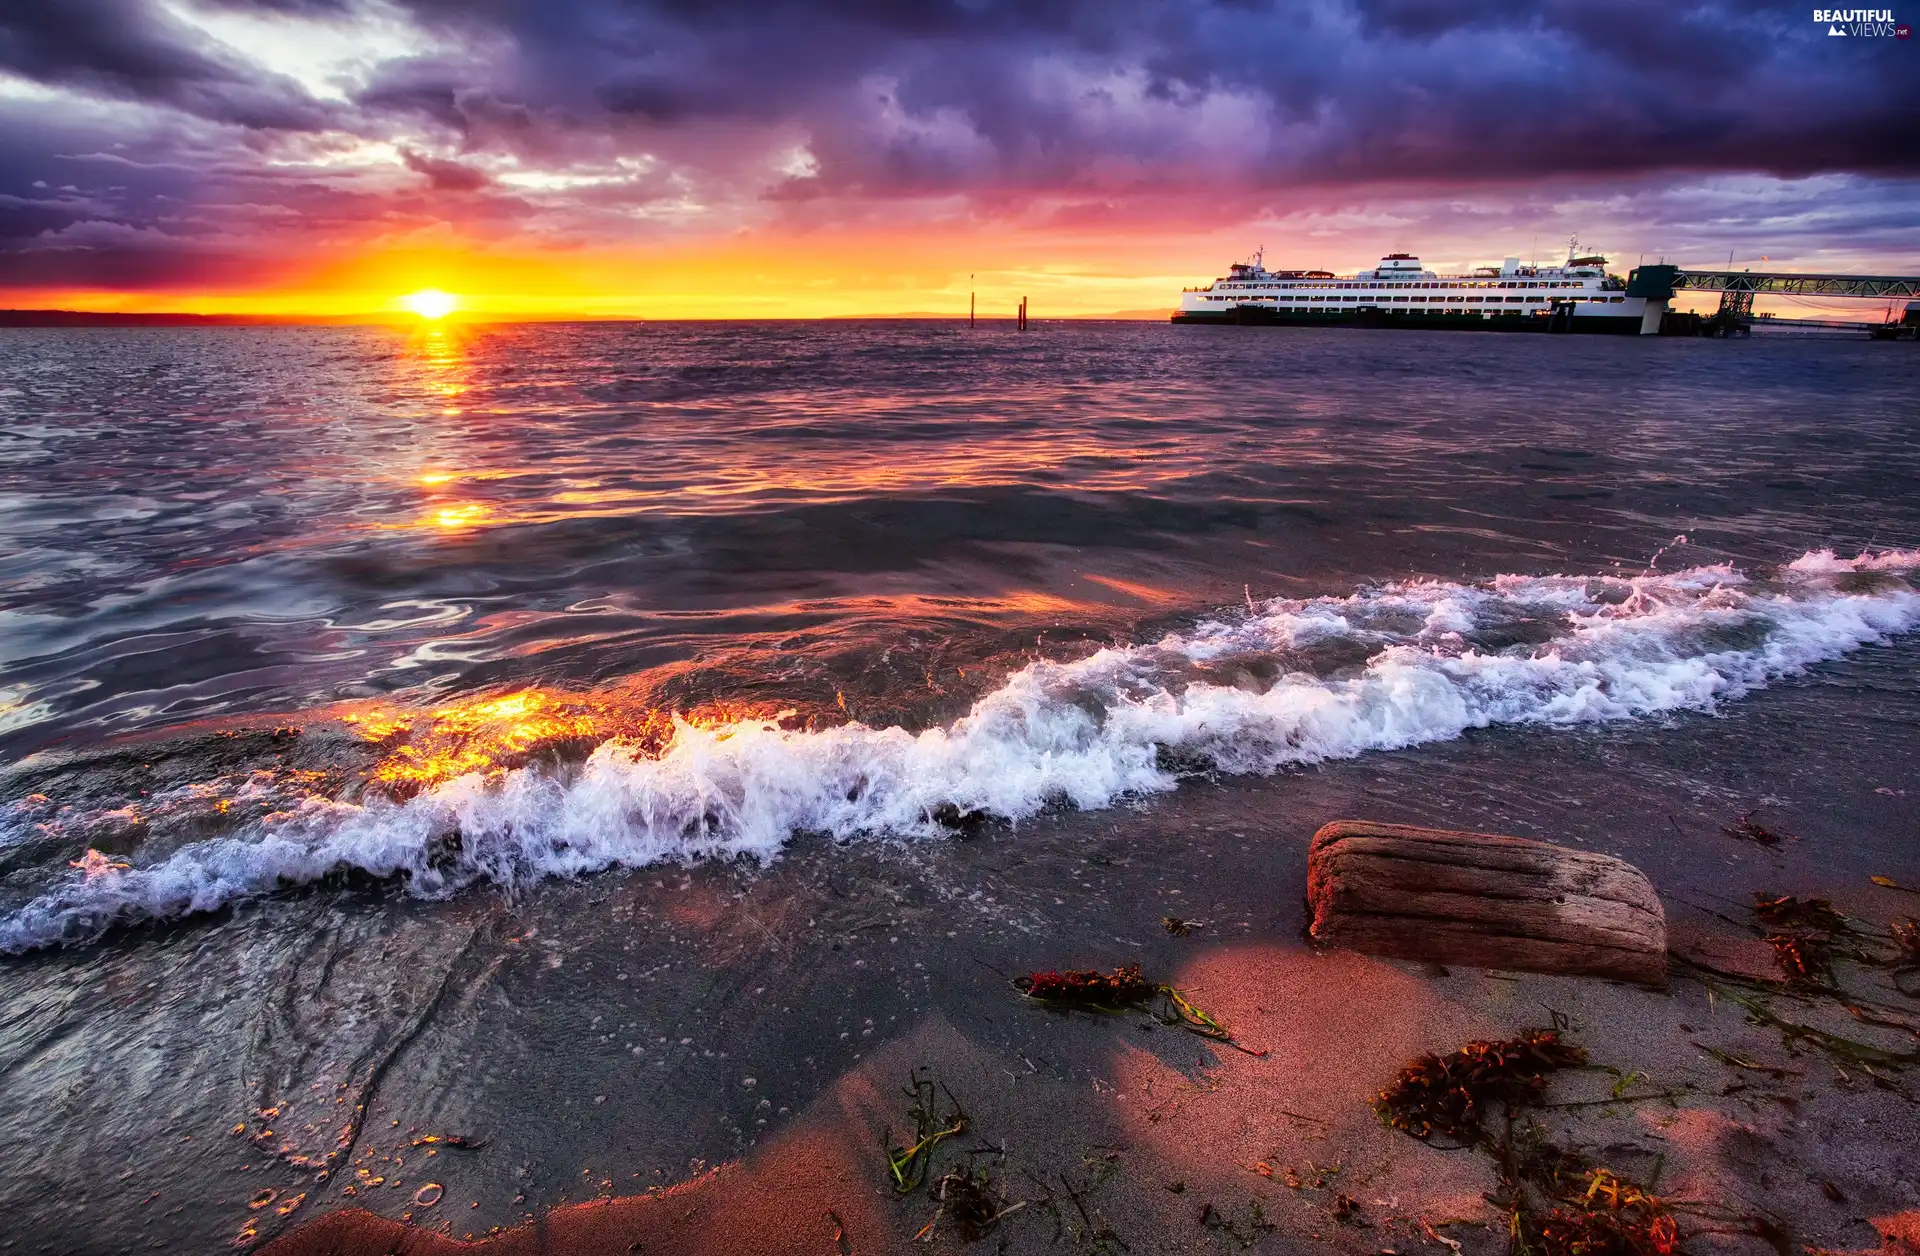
(969, 301)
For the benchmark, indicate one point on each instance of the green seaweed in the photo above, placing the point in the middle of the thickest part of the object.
(908, 1165)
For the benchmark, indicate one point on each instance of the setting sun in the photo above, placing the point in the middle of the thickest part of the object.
(430, 303)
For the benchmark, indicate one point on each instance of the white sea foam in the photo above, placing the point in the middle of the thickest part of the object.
(1084, 733)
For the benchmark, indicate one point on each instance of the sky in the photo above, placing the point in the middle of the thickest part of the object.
(731, 158)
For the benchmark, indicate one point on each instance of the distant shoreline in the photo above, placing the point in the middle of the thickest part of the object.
(94, 318)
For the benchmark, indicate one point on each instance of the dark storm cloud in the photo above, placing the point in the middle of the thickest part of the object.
(1016, 93)
(575, 119)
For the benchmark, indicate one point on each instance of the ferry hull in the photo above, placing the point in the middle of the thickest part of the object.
(1585, 324)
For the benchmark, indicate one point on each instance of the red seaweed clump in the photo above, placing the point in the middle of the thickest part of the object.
(1790, 912)
(1123, 987)
(1448, 1095)
(1613, 1218)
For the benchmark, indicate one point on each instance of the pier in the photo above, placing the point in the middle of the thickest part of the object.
(1738, 288)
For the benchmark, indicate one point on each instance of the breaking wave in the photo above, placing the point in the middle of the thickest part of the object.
(1282, 683)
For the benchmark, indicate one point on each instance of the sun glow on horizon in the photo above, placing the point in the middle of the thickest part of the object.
(431, 303)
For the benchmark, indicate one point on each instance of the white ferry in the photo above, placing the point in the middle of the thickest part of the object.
(1579, 296)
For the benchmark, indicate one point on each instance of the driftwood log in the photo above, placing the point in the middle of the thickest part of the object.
(1485, 900)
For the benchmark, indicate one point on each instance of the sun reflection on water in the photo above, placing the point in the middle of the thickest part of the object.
(492, 735)
(459, 517)
(479, 735)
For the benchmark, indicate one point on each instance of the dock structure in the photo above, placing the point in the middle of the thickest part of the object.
(1738, 288)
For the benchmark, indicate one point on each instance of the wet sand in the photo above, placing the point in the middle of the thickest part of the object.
(705, 1059)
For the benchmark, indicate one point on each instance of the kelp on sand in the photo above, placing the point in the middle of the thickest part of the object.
(1448, 1095)
(1120, 990)
(1557, 1203)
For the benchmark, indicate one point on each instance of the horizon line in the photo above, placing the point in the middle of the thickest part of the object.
(54, 317)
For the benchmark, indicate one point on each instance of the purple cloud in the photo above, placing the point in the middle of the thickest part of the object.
(582, 121)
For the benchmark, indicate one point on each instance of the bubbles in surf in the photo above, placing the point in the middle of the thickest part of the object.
(1284, 682)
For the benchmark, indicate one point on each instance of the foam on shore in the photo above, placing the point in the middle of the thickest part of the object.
(1250, 692)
